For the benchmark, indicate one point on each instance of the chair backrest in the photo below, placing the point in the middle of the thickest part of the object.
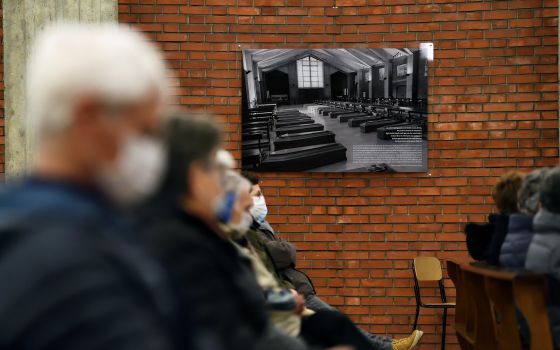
(427, 268)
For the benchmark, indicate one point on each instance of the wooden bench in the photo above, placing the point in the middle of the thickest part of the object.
(488, 300)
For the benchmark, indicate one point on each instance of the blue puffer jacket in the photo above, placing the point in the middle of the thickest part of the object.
(544, 256)
(520, 233)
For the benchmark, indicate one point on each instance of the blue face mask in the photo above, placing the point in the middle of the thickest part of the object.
(224, 209)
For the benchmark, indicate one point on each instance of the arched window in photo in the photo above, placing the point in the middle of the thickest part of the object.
(310, 73)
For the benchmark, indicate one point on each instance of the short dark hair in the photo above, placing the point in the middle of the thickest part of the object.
(550, 191)
(189, 139)
(253, 178)
(505, 191)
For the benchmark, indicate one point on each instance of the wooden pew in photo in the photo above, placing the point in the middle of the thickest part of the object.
(269, 107)
(255, 124)
(304, 158)
(262, 143)
(293, 118)
(303, 139)
(488, 301)
(258, 119)
(254, 145)
(289, 115)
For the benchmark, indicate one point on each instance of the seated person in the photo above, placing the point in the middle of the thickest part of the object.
(520, 226)
(484, 241)
(180, 227)
(283, 253)
(544, 251)
(74, 275)
(326, 327)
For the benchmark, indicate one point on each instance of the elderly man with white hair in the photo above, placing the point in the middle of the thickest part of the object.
(71, 277)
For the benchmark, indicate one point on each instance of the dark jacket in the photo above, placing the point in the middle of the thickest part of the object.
(217, 281)
(500, 223)
(484, 241)
(259, 244)
(519, 236)
(283, 254)
(544, 256)
(70, 279)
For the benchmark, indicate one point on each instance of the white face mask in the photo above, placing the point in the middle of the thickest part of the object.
(243, 226)
(259, 209)
(137, 172)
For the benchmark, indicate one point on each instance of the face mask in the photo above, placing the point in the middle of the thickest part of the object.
(242, 227)
(259, 209)
(224, 207)
(137, 172)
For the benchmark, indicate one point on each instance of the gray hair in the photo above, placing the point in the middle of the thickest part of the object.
(225, 159)
(234, 182)
(68, 61)
(550, 191)
(528, 195)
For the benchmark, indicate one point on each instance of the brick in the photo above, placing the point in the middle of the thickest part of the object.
(493, 100)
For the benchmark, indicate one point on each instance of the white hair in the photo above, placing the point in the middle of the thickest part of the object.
(225, 159)
(234, 182)
(108, 61)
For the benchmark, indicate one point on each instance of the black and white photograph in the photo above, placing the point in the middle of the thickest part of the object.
(335, 110)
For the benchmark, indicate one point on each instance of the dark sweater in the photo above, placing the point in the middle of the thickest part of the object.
(283, 255)
(484, 241)
(70, 280)
(211, 275)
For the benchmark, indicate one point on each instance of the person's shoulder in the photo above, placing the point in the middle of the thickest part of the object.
(26, 203)
(167, 231)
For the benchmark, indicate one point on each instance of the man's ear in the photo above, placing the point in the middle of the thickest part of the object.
(85, 109)
(85, 117)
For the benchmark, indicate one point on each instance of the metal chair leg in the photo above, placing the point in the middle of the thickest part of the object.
(416, 317)
(444, 329)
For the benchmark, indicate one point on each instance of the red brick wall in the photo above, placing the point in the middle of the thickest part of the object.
(494, 107)
(2, 138)
(493, 102)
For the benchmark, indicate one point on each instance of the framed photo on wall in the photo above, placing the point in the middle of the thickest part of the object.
(321, 110)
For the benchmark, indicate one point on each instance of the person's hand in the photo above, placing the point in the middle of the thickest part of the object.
(300, 302)
(342, 347)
